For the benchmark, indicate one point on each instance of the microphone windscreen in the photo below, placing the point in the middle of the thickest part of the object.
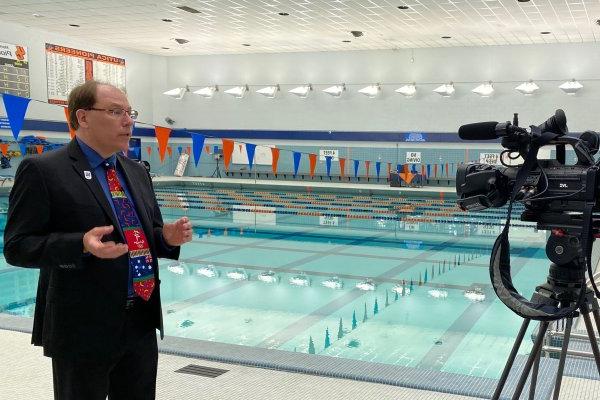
(478, 131)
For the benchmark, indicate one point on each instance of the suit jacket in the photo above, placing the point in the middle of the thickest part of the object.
(80, 300)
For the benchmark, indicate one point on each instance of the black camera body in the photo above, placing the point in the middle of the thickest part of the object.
(550, 187)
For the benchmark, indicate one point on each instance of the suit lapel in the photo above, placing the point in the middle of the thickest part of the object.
(82, 167)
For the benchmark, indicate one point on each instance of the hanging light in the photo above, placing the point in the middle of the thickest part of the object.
(238, 274)
(366, 285)
(333, 283)
(269, 91)
(407, 90)
(300, 280)
(527, 88)
(335, 90)
(371, 91)
(267, 277)
(571, 87)
(177, 93)
(301, 91)
(208, 271)
(445, 90)
(485, 89)
(238, 92)
(207, 92)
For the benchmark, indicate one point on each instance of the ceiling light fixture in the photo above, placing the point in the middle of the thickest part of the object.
(571, 87)
(238, 92)
(177, 93)
(527, 88)
(269, 91)
(207, 92)
(371, 91)
(335, 90)
(301, 91)
(445, 90)
(485, 89)
(407, 90)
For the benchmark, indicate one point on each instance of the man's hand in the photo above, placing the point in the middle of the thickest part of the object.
(92, 243)
(178, 233)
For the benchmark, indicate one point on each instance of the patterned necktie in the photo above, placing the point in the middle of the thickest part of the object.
(140, 259)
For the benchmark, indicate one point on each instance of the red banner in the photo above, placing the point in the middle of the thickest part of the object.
(162, 135)
(312, 159)
(227, 150)
(342, 167)
(275, 153)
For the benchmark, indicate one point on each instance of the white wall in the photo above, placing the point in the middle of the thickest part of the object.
(507, 66)
(140, 69)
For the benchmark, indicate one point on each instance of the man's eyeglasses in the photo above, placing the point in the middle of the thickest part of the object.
(117, 112)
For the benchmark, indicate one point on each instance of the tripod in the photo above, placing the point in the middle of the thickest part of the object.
(217, 171)
(563, 289)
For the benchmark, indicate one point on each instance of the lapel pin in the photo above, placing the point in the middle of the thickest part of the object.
(87, 174)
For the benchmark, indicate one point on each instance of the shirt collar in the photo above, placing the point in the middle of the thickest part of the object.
(94, 159)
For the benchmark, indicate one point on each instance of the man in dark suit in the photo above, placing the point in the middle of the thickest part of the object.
(88, 218)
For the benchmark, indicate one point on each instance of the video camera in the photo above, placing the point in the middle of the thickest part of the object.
(553, 192)
(558, 197)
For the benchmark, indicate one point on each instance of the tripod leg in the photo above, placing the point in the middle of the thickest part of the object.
(563, 356)
(537, 346)
(596, 315)
(534, 375)
(511, 359)
(592, 336)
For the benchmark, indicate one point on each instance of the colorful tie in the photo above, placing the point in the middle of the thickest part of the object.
(140, 259)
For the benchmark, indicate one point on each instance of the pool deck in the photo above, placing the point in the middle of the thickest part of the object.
(27, 375)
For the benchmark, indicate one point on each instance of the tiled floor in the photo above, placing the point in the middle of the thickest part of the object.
(26, 375)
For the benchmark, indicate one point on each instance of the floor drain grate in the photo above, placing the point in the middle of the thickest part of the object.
(202, 371)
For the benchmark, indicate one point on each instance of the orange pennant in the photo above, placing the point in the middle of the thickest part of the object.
(342, 167)
(68, 117)
(170, 151)
(162, 135)
(189, 150)
(207, 149)
(149, 150)
(39, 148)
(275, 153)
(312, 158)
(227, 150)
(367, 165)
(4, 148)
(406, 175)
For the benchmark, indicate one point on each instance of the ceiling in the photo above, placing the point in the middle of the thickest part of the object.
(255, 26)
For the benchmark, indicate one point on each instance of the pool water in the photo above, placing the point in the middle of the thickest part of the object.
(389, 244)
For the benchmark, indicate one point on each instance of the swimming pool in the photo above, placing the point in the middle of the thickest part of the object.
(280, 270)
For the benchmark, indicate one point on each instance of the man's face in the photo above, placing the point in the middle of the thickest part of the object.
(109, 133)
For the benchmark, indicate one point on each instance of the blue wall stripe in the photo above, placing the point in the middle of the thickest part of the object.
(346, 136)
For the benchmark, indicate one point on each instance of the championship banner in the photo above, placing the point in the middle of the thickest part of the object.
(14, 70)
(67, 68)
